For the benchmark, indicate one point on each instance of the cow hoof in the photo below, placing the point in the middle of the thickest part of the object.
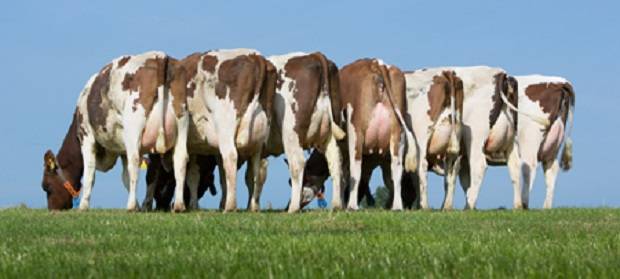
(447, 208)
(84, 206)
(352, 208)
(178, 207)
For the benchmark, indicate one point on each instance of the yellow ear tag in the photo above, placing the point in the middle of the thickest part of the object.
(51, 164)
(143, 164)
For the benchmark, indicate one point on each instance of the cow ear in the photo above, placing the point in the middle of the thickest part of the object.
(49, 160)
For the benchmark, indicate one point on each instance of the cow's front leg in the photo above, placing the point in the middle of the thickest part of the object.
(296, 164)
(193, 178)
(89, 159)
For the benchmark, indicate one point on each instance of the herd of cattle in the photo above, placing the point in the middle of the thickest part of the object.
(227, 107)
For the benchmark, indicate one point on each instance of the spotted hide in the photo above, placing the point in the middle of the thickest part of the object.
(435, 103)
(551, 99)
(134, 105)
(229, 96)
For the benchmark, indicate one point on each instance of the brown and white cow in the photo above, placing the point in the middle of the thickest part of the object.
(551, 99)
(229, 96)
(373, 97)
(489, 128)
(316, 173)
(134, 105)
(306, 110)
(435, 103)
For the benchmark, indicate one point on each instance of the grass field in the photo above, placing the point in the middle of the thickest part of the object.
(105, 243)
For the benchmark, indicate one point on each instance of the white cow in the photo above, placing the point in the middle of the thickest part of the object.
(435, 105)
(487, 132)
(547, 104)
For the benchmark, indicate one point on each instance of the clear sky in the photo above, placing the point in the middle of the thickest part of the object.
(50, 48)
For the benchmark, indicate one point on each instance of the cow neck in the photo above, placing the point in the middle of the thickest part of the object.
(70, 155)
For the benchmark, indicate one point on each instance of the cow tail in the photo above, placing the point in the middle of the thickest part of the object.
(454, 143)
(336, 131)
(411, 155)
(162, 99)
(566, 161)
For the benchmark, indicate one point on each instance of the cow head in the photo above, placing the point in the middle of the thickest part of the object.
(55, 184)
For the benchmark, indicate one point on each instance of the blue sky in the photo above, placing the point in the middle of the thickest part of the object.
(50, 48)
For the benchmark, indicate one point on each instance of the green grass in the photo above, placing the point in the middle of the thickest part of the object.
(371, 244)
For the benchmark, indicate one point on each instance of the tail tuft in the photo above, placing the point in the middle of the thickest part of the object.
(567, 155)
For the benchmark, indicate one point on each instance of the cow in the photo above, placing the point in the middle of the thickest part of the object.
(435, 104)
(160, 182)
(490, 103)
(547, 104)
(373, 99)
(134, 105)
(229, 97)
(306, 116)
(316, 173)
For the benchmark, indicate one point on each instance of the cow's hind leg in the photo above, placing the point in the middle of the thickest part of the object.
(451, 165)
(296, 163)
(334, 163)
(515, 176)
(229, 163)
(551, 172)
(255, 176)
(477, 169)
(396, 166)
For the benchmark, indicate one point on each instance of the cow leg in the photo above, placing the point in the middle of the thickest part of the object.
(464, 175)
(396, 166)
(451, 165)
(222, 174)
(477, 169)
(386, 172)
(152, 174)
(334, 163)
(229, 161)
(296, 163)
(551, 172)
(90, 163)
(179, 162)
(256, 169)
(515, 176)
(422, 188)
(193, 179)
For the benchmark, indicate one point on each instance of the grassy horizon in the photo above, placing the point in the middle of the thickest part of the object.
(566, 242)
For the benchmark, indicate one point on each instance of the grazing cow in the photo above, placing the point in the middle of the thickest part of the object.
(229, 97)
(435, 105)
(134, 105)
(373, 96)
(160, 182)
(316, 173)
(306, 110)
(551, 99)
